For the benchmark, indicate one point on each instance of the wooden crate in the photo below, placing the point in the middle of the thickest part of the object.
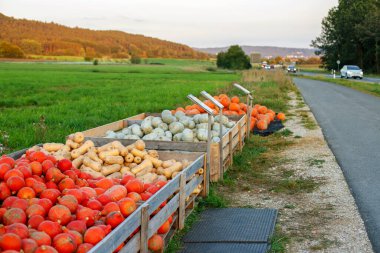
(231, 142)
(181, 202)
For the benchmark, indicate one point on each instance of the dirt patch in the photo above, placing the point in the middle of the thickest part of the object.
(317, 212)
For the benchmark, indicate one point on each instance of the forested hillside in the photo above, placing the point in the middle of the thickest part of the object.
(21, 37)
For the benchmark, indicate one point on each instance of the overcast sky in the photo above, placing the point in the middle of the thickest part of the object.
(198, 23)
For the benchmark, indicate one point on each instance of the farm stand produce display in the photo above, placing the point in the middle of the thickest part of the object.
(261, 116)
(231, 141)
(76, 197)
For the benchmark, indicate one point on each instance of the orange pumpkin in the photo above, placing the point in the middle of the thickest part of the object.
(252, 123)
(235, 99)
(234, 107)
(254, 112)
(243, 106)
(262, 109)
(262, 124)
(209, 104)
(281, 116)
(180, 109)
(225, 101)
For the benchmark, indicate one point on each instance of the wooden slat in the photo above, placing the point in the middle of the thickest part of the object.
(119, 234)
(159, 145)
(197, 180)
(182, 200)
(230, 148)
(156, 222)
(206, 180)
(101, 130)
(240, 137)
(215, 162)
(194, 167)
(179, 155)
(163, 194)
(133, 245)
(144, 228)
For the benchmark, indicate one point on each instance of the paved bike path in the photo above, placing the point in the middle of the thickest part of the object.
(350, 121)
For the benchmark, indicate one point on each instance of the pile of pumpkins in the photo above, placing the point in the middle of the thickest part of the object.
(50, 205)
(175, 126)
(261, 116)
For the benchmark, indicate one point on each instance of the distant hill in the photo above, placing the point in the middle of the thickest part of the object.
(39, 38)
(265, 51)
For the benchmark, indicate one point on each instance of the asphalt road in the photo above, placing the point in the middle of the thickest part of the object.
(365, 79)
(350, 121)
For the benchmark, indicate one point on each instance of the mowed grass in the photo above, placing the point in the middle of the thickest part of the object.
(74, 97)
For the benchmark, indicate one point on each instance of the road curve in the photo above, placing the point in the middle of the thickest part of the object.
(350, 121)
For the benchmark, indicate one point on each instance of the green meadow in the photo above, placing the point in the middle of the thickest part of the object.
(74, 97)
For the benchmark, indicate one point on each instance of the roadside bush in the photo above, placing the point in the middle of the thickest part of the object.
(135, 59)
(234, 58)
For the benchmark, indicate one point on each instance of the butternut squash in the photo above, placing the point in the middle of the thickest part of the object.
(91, 172)
(52, 147)
(156, 162)
(140, 145)
(93, 156)
(145, 164)
(72, 144)
(112, 152)
(129, 158)
(109, 169)
(78, 137)
(115, 175)
(177, 166)
(92, 164)
(168, 163)
(114, 159)
(139, 153)
(137, 160)
(78, 161)
(82, 149)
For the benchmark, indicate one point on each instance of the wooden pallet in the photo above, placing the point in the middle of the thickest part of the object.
(232, 142)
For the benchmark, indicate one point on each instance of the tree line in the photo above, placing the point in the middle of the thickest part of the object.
(351, 34)
(25, 37)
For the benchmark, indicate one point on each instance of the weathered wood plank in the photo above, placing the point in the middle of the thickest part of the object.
(163, 194)
(101, 130)
(133, 245)
(163, 215)
(120, 233)
(215, 162)
(144, 228)
(194, 167)
(197, 180)
(182, 200)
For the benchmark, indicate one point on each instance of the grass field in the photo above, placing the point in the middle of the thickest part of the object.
(74, 97)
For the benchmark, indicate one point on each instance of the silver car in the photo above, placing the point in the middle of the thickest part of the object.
(351, 71)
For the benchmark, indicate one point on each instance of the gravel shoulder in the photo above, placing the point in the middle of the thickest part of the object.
(325, 219)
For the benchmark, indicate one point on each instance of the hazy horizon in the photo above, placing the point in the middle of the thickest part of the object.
(197, 23)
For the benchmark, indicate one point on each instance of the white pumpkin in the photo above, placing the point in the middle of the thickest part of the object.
(187, 135)
(156, 121)
(163, 126)
(202, 134)
(179, 114)
(177, 137)
(176, 127)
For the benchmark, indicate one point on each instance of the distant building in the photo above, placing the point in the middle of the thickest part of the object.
(255, 58)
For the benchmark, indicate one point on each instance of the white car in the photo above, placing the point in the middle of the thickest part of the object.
(351, 71)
